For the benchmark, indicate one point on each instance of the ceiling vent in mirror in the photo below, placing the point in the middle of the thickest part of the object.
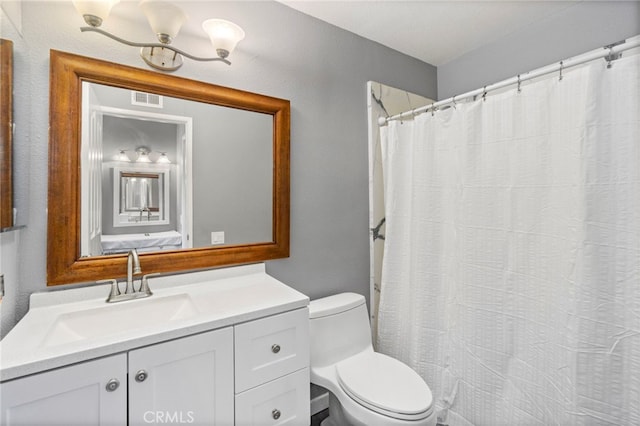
(146, 99)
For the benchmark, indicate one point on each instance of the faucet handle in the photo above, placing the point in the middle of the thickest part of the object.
(115, 290)
(144, 286)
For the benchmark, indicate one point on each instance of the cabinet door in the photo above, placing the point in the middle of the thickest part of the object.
(74, 395)
(284, 401)
(187, 380)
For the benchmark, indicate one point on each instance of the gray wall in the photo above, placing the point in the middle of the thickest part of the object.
(321, 69)
(585, 26)
(10, 241)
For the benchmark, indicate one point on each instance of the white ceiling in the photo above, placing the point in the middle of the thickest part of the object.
(433, 31)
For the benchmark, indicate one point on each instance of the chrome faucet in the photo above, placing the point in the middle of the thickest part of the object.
(133, 267)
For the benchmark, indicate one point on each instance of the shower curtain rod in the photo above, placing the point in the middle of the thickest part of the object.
(609, 53)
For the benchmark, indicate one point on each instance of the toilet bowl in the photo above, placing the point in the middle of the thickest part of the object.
(365, 387)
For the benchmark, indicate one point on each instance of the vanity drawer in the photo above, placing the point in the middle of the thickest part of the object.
(271, 347)
(284, 401)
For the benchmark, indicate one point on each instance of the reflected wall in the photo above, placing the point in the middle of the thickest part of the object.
(219, 164)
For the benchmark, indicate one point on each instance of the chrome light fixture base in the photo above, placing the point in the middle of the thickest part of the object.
(161, 58)
(157, 55)
(93, 20)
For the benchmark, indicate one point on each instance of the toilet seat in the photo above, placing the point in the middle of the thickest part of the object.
(385, 385)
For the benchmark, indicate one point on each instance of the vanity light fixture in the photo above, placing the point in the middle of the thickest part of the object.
(165, 20)
(143, 156)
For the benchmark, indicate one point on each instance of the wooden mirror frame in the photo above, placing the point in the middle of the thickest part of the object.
(64, 264)
(6, 134)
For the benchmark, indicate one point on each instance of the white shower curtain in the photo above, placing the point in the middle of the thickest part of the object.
(511, 277)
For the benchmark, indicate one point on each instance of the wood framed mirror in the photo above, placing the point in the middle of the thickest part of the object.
(67, 260)
(6, 133)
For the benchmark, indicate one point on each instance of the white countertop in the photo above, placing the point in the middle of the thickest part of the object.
(215, 299)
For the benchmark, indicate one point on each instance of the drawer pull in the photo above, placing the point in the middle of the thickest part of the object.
(112, 385)
(275, 349)
(141, 376)
(276, 414)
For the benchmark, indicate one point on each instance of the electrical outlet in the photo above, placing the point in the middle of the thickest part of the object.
(217, 237)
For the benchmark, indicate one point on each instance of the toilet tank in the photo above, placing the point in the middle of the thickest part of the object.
(338, 328)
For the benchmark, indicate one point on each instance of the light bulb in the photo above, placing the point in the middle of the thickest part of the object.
(165, 19)
(163, 158)
(224, 35)
(94, 12)
(143, 156)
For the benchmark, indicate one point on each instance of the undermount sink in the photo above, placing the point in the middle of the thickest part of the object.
(115, 318)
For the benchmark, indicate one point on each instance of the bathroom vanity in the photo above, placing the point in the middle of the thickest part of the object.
(228, 346)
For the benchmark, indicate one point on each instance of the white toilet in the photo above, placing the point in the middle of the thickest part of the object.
(366, 388)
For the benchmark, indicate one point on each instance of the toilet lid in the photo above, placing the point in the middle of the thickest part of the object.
(385, 385)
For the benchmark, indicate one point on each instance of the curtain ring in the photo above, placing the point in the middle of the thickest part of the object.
(453, 100)
(561, 69)
(519, 83)
(484, 93)
(433, 110)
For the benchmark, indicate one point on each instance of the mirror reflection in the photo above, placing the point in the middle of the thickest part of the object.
(162, 173)
(139, 192)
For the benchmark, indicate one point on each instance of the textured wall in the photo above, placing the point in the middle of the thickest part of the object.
(321, 69)
(575, 30)
(10, 241)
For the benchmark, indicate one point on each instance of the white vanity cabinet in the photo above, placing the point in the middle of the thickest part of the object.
(74, 395)
(187, 380)
(183, 381)
(220, 347)
(192, 380)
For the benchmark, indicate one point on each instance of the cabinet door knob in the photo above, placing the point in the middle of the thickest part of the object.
(141, 376)
(275, 348)
(276, 414)
(112, 385)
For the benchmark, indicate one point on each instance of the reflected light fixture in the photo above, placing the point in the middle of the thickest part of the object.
(163, 158)
(165, 20)
(143, 155)
(122, 156)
